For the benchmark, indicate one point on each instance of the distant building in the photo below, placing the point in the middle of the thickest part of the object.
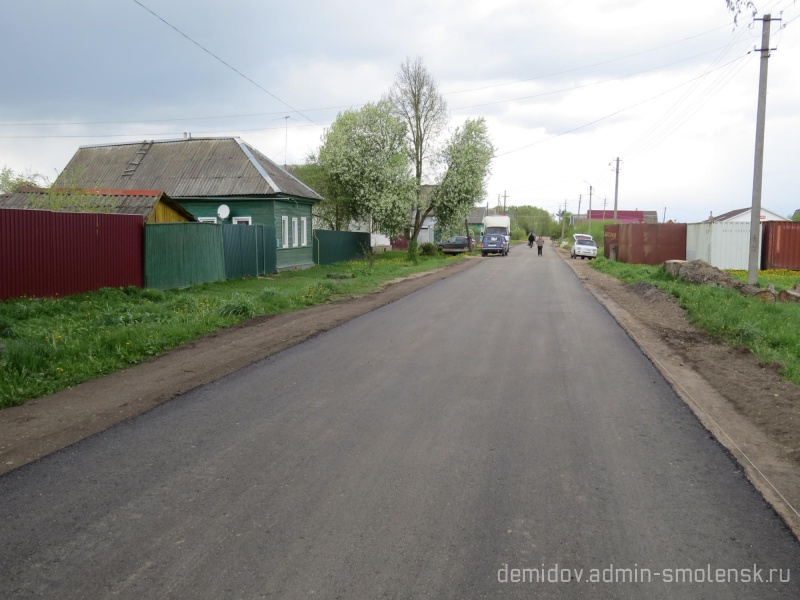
(475, 218)
(624, 216)
(742, 215)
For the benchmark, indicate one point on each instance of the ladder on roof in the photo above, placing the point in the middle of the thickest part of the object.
(137, 160)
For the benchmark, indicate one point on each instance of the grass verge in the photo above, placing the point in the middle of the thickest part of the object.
(49, 344)
(770, 331)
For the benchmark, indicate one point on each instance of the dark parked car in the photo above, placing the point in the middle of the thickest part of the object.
(456, 245)
(494, 243)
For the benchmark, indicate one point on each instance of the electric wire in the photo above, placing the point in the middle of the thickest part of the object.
(599, 64)
(668, 119)
(231, 67)
(651, 98)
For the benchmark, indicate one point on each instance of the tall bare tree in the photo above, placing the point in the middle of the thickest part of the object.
(417, 102)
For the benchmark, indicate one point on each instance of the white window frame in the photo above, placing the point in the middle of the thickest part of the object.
(295, 236)
(304, 235)
(206, 219)
(285, 231)
(242, 220)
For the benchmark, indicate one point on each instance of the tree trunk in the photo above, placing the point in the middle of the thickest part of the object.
(764, 296)
(789, 296)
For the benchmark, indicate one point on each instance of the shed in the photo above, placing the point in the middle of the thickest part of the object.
(218, 180)
(154, 205)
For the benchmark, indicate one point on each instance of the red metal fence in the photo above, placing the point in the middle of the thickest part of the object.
(781, 245)
(645, 243)
(50, 254)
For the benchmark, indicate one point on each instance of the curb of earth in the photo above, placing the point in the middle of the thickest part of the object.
(756, 454)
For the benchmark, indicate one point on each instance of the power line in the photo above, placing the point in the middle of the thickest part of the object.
(231, 67)
(349, 106)
(663, 125)
(585, 85)
(599, 64)
(142, 135)
(616, 112)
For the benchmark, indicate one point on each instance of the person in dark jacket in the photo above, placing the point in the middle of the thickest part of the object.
(531, 239)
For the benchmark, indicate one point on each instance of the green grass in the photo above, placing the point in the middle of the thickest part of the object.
(770, 331)
(49, 344)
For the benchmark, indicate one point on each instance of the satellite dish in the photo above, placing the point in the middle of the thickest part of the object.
(223, 211)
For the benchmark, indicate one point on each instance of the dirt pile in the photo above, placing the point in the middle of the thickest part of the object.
(700, 272)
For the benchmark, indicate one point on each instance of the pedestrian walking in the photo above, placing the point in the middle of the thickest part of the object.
(531, 239)
(539, 245)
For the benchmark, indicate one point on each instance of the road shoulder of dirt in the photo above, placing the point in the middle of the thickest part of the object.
(51, 423)
(715, 386)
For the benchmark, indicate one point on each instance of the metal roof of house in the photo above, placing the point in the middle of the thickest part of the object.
(728, 215)
(732, 214)
(124, 202)
(624, 216)
(185, 168)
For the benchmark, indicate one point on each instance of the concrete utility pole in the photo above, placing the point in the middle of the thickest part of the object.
(505, 196)
(589, 212)
(580, 197)
(755, 211)
(616, 191)
(563, 219)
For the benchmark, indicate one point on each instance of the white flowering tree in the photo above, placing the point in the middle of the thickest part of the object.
(364, 154)
(466, 159)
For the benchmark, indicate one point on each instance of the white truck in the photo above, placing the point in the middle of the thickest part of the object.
(497, 225)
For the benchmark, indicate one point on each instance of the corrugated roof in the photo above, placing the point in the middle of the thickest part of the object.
(728, 215)
(187, 168)
(766, 215)
(124, 202)
(477, 214)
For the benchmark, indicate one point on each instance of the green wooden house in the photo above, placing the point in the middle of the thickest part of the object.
(218, 180)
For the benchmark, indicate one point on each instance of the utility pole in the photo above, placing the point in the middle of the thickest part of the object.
(755, 211)
(664, 219)
(504, 201)
(616, 191)
(589, 212)
(563, 219)
(580, 196)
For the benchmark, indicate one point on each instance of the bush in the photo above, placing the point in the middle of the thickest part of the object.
(519, 234)
(429, 249)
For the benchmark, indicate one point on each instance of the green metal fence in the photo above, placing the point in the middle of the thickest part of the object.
(182, 254)
(249, 250)
(339, 246)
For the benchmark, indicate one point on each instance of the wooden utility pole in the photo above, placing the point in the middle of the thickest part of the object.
(589, 212)
(755, 211)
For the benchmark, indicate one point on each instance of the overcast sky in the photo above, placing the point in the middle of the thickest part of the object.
(566, 87)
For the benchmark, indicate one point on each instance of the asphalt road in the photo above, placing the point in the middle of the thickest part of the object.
(494, 429)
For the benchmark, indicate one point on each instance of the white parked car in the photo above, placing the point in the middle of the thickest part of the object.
(583, 246)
